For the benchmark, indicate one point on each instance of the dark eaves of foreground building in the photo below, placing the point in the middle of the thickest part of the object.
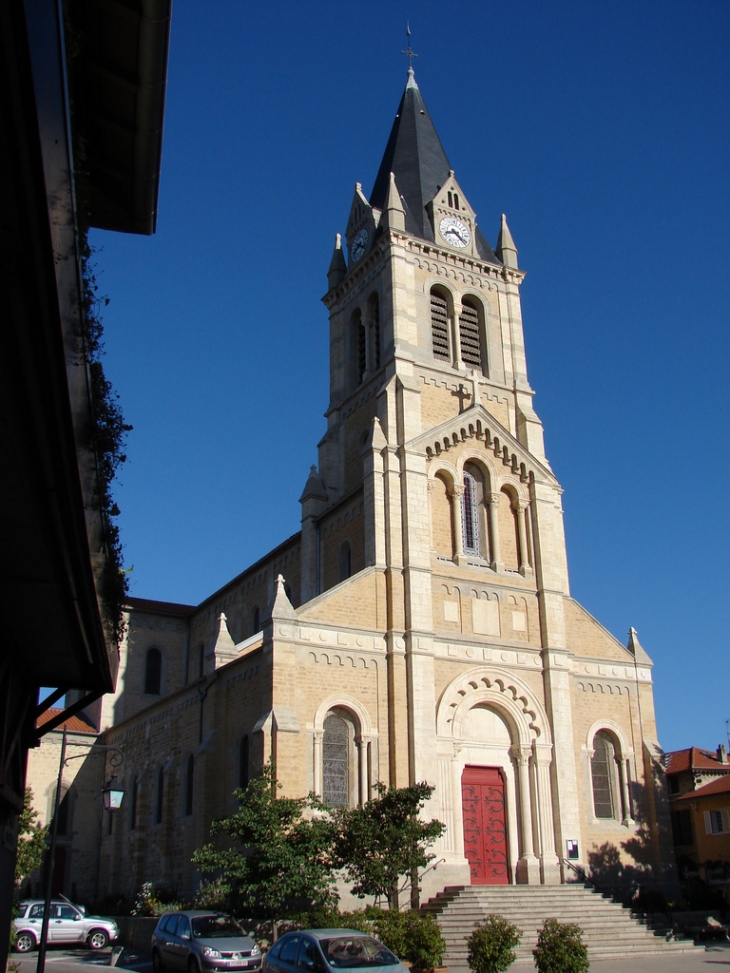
(51, 534)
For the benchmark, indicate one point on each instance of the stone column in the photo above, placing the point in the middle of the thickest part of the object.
(528, 868)
(455, 495)
(317, 756)
(496, 561)
(362, 769)
(623, 774)
(456, 337)
(525, 567)
(549, 863)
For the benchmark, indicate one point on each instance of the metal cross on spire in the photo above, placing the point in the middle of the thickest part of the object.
(409, 52)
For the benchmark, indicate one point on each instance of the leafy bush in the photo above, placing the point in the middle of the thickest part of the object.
(328, 918)
(492, 945)
(390, 928)
(425, 945)
(560, 948)
(152, 900)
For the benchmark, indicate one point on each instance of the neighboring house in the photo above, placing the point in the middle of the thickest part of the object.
(420, 626)
(52, 628)
(699, 796)
(80, 806)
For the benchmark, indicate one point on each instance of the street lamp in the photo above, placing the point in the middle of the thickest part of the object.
(112, 795)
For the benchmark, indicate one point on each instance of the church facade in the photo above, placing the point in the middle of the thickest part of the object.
(420, 627)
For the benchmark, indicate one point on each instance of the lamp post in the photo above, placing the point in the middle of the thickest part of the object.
(112, 795)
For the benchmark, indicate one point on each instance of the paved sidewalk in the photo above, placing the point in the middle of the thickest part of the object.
(713, 959)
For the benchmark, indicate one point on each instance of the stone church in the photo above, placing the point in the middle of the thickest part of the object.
(420, 626)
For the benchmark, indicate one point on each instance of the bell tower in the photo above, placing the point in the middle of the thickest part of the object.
(431, 425)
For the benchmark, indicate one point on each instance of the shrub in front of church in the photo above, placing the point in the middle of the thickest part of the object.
(154, 900)
(560, 948)
(424, 944)
(492, 945)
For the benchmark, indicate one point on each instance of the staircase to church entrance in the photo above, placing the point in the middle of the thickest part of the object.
(609, 929)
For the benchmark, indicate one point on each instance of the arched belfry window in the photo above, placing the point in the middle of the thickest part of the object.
(336, 761)
(440, 326)
(374, 321)
(603, 776)
(189, 785)
(345, 561)
(470, 335)
(153, 673)
(255, 625)
(360, 345)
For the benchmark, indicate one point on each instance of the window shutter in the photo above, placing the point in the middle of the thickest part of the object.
(708, 822)
(726, 819)
(440, 328)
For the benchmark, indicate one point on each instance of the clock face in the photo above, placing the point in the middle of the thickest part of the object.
(454, 231)
(359, 245)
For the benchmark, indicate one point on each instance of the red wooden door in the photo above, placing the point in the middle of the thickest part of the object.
(485, 833)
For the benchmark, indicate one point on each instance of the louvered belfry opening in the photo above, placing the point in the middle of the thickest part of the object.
(470, 336)
(374, 307)
(440, 327)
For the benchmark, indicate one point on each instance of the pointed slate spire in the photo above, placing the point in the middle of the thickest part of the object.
(416, 158)
(338, 267)
(506, 249)
(394, 215)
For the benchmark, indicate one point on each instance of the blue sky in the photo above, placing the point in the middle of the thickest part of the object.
(601, 130)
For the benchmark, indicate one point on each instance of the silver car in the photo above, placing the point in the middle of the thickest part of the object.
(201, 941)
(66, 924)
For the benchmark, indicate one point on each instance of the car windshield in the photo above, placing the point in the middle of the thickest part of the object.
(356, 951)
(215, 927)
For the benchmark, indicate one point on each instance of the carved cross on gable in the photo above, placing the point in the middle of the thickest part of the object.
(462, 393)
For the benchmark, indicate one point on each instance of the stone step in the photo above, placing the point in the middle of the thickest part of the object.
(608, 927)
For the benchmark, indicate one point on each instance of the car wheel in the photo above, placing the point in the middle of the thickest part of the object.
(97, 939)
(25, 942)
(157, 965)
(193, 965)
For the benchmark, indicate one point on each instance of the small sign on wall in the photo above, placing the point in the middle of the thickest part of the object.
(572, 848)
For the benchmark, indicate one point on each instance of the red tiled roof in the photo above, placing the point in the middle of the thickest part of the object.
(694, 759)
(719, 786)
(165, 607)
(74, 723)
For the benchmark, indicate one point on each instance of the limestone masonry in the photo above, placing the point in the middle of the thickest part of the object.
(420, 626)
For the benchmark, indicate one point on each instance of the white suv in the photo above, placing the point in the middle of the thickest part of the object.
(66, 924)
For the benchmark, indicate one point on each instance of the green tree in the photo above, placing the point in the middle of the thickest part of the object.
(277, 860)
(31, 840)
(381, 842)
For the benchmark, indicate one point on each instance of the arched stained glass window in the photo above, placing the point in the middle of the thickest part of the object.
(153, 673)
(603, 773)
(470, 515)
(335, 758)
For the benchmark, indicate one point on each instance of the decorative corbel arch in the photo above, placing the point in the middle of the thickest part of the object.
(345, 702)
(625, 749)
(480, 457)
(439, 465)
(500, 689)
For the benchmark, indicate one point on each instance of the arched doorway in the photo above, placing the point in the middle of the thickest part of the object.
(485, 825)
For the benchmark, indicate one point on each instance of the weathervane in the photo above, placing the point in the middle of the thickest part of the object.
(409, 53)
